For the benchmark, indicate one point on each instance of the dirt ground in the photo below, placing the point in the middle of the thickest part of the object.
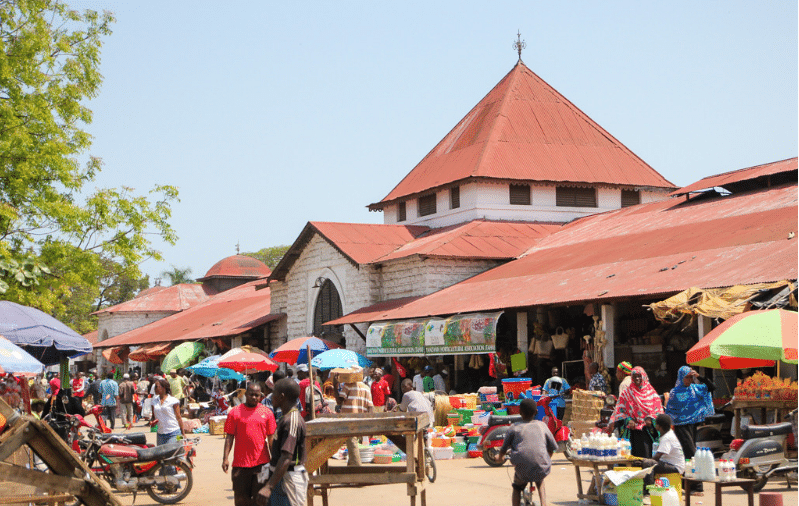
(467, 482)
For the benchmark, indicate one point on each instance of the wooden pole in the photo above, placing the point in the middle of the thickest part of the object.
(312, 410)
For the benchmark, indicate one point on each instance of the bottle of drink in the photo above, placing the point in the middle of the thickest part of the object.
(584, 447)
(733, 471)
(688, 473)
(694, 473)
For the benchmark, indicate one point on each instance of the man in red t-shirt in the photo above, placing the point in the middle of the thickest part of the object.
(252, 426)
(380, 390)
(389, 378)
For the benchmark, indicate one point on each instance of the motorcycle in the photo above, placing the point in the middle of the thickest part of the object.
(561, 433)
(762, 452)
(164, 472)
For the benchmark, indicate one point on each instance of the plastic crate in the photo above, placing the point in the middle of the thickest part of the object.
(512, 408)
(442, 453)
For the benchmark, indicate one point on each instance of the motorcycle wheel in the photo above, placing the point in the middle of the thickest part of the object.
(168, 496)
(760, 480)
(489, 456)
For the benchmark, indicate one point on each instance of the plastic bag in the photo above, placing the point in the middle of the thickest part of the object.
(147, 408)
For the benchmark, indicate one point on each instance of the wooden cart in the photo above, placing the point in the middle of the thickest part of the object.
(66, 476)
(326, 434)
(780, 408)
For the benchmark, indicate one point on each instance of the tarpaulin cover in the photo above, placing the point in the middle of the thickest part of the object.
(41, 335)
(722, 303)
(458, 334)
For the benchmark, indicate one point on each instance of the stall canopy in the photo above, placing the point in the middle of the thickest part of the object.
(149, 352)
(456, 335)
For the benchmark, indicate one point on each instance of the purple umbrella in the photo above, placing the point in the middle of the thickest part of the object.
(41, 335)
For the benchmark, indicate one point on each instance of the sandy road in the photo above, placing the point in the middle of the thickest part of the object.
(468, 482)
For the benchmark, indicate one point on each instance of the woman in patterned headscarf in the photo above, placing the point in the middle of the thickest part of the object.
(690, 402)
(634, 412)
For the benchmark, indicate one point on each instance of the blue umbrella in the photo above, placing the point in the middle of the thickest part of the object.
(332, 359)
(41, 335)
(14, 359)
(208, 367)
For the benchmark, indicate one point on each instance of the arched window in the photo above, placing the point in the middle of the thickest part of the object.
(328, 307)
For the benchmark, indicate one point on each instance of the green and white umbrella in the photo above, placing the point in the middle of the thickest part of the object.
(181, 356)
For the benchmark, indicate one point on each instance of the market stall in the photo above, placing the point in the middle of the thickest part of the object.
(326, 434)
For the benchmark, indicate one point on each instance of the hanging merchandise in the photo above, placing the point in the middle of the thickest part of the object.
(560, 339)
(543, 347)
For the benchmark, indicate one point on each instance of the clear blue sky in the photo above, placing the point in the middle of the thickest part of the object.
(267, 115)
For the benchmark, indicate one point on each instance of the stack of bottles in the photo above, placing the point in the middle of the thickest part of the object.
(703, 467)
(600, 446)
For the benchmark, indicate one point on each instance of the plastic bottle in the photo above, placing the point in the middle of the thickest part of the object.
(694, 473)
(688, 471)
(733, 471)
(670, 498)
(584, 446)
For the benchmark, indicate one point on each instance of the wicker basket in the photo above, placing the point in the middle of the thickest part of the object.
(349, 375)
(216, 427)
(586, 405)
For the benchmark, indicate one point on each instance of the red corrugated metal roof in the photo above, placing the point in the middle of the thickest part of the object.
(232, 312)
(658, 248)
(361, 243)
(525, 130)
(92, 337)
(478, 239)
(171, 299)
(237, 266)
(728, 178)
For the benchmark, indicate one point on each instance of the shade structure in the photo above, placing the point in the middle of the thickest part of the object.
(15, 360)
(209, 367)
(332, 359)
(45, 338)
(149, 352)
(248, 363)
(751, 339)
(181, 356)
(117, 354)
(296, 350)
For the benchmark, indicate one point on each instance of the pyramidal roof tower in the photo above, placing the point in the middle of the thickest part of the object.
(524, 152)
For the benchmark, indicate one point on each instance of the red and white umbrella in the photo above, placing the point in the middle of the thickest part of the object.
(248, 363)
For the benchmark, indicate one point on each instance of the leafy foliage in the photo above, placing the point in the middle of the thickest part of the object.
(178, 276)
(59, 240)
(270, 256)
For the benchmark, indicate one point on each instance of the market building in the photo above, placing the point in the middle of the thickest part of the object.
(521, 164)
(225, 309)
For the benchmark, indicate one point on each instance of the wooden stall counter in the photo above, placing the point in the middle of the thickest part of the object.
(326, 434)
(594, 492)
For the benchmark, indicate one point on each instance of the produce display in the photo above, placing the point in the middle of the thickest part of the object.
(761, 386)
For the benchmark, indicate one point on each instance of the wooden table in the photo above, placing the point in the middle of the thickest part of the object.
(744, 483)
(781, 408)
(595, 489)
(326, 434)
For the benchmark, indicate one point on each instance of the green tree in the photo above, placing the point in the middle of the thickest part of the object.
(178, 276)
(58, 236)
(270, 256)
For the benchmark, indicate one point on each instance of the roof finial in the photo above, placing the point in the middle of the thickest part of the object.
(519, 44)
(237, 247)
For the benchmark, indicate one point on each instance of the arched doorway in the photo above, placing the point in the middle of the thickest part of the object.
(328, 307)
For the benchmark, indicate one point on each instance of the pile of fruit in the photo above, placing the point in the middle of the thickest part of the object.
(761, 386)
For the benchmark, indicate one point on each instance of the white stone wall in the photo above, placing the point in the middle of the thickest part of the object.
(357, 287)
(113, 324)
(490, 201)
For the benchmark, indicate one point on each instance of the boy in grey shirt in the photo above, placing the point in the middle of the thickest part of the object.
(531, 445)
